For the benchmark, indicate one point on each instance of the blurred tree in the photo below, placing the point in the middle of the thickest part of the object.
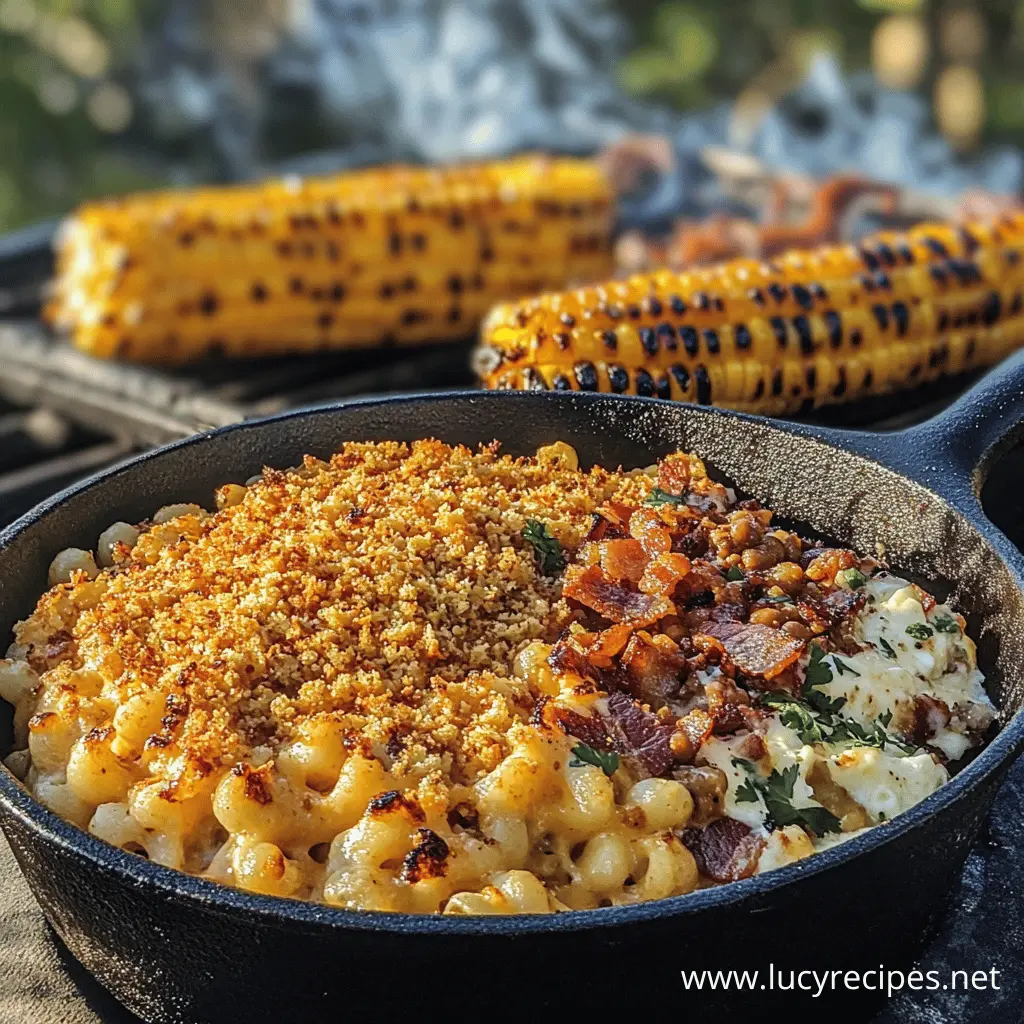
(64, 104)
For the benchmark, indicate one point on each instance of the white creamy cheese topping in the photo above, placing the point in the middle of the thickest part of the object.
(874, 689)
(935, 658)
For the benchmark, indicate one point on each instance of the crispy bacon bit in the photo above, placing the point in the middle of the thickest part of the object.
(616, 514)
(590, 729)
(426, 860)
(603, 646)
(565, 657)
(674, 473)
(593, 590)
(639, 734)
(707, 786)
(756, 650)
(690, 732)
(598, 527)
(825, 611)
(652, 669)
(624, 559)
(646, 525)
(725, 851)
(930, 715)
(661, 575)
(823, 563)
(725, 699)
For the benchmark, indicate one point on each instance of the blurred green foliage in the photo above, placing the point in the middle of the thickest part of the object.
(68, 130)
(62, 111)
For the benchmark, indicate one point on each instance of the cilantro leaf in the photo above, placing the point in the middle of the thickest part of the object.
(853, 578)
(884, 719)
(818, 671)
(887, 648)
(658, 497)
(546, 549)
(735, 574)
(585, 754)
(946, 624)
(842, 667)
(777, 792)
(919, 631)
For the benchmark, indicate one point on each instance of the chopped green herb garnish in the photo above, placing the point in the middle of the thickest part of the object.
(777, 792)
(842, 667)
(659, 497)
(818, 671)
(887, 648)
(946, 624)
(608, 763)
(735, 574)
(547, 550)
(919, 631)
(775, 598)
(853, 578)
(884, 719)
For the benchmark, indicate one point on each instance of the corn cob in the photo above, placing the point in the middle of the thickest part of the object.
(394, 255)
(810, 328)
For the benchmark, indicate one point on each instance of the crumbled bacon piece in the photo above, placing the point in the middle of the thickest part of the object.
(674, 473)
(589, 728)
(823, 611)
(646, 525)
(725, 851)
(639, 734)
(605, 645)
(652, 669)
(662, 574)
(616, 514)
(690, 732)
(725, 699)
(823, 563)
(593, 590)
(624, 559)
(756, 650)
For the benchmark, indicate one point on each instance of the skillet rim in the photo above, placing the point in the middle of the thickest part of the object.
(227, 901)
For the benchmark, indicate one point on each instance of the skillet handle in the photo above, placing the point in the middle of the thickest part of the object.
(953, 452)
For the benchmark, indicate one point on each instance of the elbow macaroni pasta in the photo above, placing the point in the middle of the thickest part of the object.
(197, 693)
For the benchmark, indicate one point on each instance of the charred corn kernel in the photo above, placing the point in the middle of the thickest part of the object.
(392, 255)
(811, 328)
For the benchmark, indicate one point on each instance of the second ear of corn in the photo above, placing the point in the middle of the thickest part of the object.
(393, 255)
(810, 328)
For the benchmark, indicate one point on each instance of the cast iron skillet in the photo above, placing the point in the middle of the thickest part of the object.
(175, 948)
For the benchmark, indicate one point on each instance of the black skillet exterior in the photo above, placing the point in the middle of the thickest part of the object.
(177, 949)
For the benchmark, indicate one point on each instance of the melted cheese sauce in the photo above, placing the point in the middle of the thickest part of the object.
(874, 688)
(895, 666)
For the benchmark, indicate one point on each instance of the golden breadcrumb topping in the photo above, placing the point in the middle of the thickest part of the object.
(388, 589)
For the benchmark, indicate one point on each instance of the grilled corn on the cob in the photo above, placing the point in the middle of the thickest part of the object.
(392, 255)
(810, 328)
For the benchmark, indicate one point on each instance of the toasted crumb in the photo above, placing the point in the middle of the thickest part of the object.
(388, 589)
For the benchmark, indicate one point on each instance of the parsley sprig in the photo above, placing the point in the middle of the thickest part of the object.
(776, 790)
(546, 549)
(658, 497)
(585, 754)
(815, 717)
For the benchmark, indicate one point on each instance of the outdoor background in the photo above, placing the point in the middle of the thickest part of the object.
(99, 96)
